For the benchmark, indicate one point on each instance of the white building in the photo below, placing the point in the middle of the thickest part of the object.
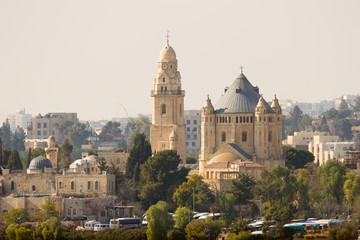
(20, 118)
(324, 151)
(193, 126)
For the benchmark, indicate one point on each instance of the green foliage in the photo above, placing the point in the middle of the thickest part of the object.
(75, 131)
(347, 232)
(160, 177)
(133, 234)
(111, 127)
(194, 188)
(5, 157)
(302, 183)
(6, 134)
(243, 235)
(239, 225)
(277, 186)
(191, 160)
(37, 152)
(183, 216)
(14, 162)
(351, 187)
(296, 157)
(242, 188)
(281, 215)
(23, 233)
(356, 106)
(227, 204)
(47, 210)
(11, 231)
(50, 229)
(18, 139)
(332, 176)
(65, 154)
(195, 230)
(139, 153)
(110, 234)
(16, 215)
(176, 234)
(135, 127)
(159, 221)
(28, 159)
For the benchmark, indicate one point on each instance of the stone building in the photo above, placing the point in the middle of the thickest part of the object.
(241, 129)
(42, 127)
(167, 130)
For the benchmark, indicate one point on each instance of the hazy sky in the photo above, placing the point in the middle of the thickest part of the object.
(93, 57)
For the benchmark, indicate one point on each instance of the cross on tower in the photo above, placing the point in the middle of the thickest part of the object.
(241, 68)
(167, 37)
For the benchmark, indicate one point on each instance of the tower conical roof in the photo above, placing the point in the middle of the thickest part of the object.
(241, 97)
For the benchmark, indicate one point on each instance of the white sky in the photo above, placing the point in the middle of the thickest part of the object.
(92, 57)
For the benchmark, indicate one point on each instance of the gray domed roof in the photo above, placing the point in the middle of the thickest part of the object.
(40, 162)
(241, 97)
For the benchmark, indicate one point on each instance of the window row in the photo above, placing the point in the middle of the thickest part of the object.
(237, 119)
(243, 137)
(72, 185)
(44, 125)
(188, 121)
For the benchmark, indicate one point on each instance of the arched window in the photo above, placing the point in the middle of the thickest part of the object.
(163, 79)
(89, 185)
(72, 185)
(162, 89)
(244, 137)
(96, 185)
(163, 109)
(12, 185)
(60, 184)
(223, 137)
(165, 89)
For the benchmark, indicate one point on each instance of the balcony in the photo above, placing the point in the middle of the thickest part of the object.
(168, 92)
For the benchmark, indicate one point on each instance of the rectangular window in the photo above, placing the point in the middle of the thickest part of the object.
(187, 136)
(60, 185)
(188, 129)
(44, 125)
(193, 144)
(39, 133)
(44, 133)
(195, 121)
(194, 129)
(72, 185)
(187, 121)
(89, 185)
(39, 125)
(33, 188)
(96, 185)
(229, 119)
(195, 137)
(187, 144)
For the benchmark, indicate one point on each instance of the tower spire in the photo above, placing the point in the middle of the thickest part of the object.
(167, 37)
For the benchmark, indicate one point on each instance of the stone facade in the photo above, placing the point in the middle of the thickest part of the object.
(168, 126)
(242, 126)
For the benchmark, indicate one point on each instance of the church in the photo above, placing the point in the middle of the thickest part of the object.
(241, 133)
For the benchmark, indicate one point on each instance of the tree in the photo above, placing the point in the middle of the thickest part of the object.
(296, 157)
(347, 232)
(356, 106)
(183, 216)
(243, 235)
(37, 152)
(296, 116)
(324, 127)
(14, 162)
(344, 110)
(191, 160)
(277, 186)
(139, 153)
(159, 221)
(199, 229)
(160, 177)
(18, 139)
(47, 210)
(227, 204)
(134, 127)
(351, 188)
(194, 189)
(6, 134)
(1, 154)
(65, 154)
(305, 121)
(111, 127)
(242, 188)
(281, 215)
(302, 182)
(50, 229)
(332, 176)
(75, 132)
(16, 215)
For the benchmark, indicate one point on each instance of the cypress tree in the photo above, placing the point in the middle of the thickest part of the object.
(14, 162)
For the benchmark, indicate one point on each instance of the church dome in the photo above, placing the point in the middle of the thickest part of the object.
(40, 162)
(167, 54)
(224, 157)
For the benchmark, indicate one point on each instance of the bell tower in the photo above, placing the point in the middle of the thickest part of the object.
(168, 106)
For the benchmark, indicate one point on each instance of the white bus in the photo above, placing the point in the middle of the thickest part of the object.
(89, 225)
(101, 226)
(127, 223)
